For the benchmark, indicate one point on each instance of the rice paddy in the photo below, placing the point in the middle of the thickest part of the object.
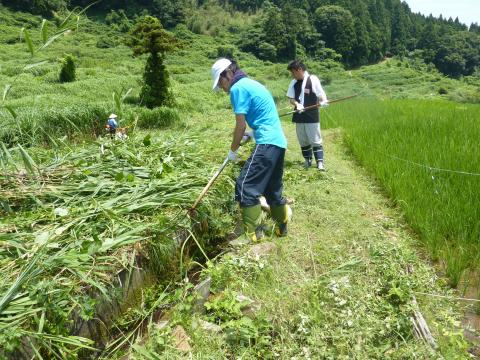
(424, 153)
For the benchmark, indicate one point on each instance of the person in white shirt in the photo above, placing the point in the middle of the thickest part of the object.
(305, 91)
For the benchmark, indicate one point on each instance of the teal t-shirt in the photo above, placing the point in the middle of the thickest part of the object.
(253, 100)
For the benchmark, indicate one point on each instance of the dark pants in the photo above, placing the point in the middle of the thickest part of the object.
(261, 175)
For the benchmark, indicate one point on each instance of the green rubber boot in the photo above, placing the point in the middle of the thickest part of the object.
(250, 218)
(280, 214)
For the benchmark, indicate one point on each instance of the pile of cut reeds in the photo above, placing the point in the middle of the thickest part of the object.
(70, 219)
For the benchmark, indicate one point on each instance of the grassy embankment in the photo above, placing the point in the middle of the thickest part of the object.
(71, 212)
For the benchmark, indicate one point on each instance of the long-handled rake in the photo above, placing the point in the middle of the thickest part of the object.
(210, 183)
(318, 105)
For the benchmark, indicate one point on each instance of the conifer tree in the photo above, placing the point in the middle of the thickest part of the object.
(67, 72)
(149, 37)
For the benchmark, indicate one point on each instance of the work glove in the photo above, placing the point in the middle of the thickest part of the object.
(232, 156)
(300, 108)
(324, 103)
(247, 136)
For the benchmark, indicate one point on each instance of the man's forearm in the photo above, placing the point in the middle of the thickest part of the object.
(240, 127)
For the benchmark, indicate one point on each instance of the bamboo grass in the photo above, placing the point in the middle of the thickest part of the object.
(76, 216)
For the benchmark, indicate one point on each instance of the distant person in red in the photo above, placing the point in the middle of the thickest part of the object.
(304, 91)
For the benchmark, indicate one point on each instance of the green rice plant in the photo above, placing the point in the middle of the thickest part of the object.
(424, 153)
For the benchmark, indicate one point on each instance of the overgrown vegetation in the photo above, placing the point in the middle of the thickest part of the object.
(88, 208)
(340, 287)
(361, 32)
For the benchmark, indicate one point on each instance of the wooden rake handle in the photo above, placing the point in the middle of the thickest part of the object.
(318, 105)
(212, 180)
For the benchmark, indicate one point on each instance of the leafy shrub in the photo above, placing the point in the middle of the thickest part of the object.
(196, 27)
(226, 52)
(327, 79)
(266, 51)
(118, 20)
(105, 42)
(182, 32)
(67, 72)
(325, 53)
(159, 117)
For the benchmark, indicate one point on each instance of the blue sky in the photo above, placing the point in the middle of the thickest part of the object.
(468, 11)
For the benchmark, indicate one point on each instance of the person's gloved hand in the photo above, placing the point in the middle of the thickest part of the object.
(232, 156)
(247, 136)
(324, 103)
(300, 108)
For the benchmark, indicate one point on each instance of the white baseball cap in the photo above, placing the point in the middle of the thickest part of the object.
(220, 66)
(112, 116)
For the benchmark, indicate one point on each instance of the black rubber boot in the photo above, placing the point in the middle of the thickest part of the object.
(307, 155)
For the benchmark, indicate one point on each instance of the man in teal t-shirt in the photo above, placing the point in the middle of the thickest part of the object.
(263, 171)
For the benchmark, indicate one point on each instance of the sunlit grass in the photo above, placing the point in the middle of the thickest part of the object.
(425, 154)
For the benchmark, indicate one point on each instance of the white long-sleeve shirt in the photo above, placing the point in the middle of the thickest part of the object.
(316, 88)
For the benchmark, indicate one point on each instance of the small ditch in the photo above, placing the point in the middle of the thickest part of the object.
(470, 289)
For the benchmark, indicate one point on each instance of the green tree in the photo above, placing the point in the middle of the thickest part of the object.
(270, 39)
(243, 5)
(149, 37)
(43, 7)
(400, 29)
(299, 27)
(67, 72)
(361, 47)
(458, 54)
(474, 27)
(254, 41)
(170, 12)
(429, 41)
(336, 25)
(275, 30)
(118, 20)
